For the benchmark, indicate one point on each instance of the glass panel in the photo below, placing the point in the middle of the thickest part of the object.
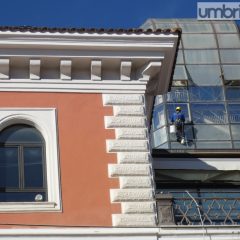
(177, 145)
(228, 40)
(163, 146)
(231, 72)
(159, 137)
(233, 93)
(234, 113)
(180, 73)
(236, 145)
(180, 57)
(206, 93)
(158, 119)
(214, 145)
(212, 132)
(9, 176)
(165, 25)
(171, 109)
(225, 27)
(204, 75)
(177, 94)
(208, 113)
(188, 132)
(20, 133)
(20, 196)
(230, 56)
(33, 167)
(158, 99)
(199, 41)
(235, 132)
(196, 27)
(201, 56)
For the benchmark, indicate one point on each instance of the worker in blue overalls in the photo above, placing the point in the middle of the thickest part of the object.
(178, 119)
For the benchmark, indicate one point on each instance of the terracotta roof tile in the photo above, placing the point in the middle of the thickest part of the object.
(90, 30)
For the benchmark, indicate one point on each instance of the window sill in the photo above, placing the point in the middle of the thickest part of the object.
(28, 206)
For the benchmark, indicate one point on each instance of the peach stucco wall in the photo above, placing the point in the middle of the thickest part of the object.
(83, 159)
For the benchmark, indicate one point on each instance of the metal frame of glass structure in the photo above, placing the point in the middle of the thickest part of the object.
(206, 84)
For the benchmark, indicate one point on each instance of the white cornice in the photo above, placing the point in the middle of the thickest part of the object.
(47, 60)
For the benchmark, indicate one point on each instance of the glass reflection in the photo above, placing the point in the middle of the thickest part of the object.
(205, 93)
(178, 95)
(208, 113)
(9, 176)
(234, 112)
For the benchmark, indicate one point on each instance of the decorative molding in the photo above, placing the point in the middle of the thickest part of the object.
(128, 110)
(136, 192)
(134, 220)
(43, 119)
(4, 68)
(138, 207)
(148, 70)
(116, 170)
(135, 182)
(125, 70)
(122, 99)
(133, 157)
(142, 231)
(66, 69)
(125, 195)
(34, 69)
(133, 133)
(131, 122)
(96, 70)
(127, 145)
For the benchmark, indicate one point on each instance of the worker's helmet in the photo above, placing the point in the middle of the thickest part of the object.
(178, 109)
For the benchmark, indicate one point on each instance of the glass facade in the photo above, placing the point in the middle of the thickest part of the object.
(205, 85)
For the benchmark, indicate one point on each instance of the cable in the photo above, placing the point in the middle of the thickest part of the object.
(198, 208)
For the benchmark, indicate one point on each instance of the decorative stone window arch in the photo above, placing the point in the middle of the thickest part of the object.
(44, 120)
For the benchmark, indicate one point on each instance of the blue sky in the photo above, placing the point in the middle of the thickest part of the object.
(93, 13)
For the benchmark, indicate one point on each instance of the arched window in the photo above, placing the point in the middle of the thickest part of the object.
(22, 164)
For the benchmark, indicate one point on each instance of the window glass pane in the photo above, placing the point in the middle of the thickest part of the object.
(33, 167)
(235, 132)
(158, 99)
(188, 132)
(158, 119)
(180, 73)
(205, 93)
(20, 133)
(20, 196)
(177, 94)
(159, 137)
(199, 41)
(171, 109)
(212, 132)
(163, 146)
(177, 145)
(228, 40)
(161, 24)
(233, 93)
(231, 72)
(201, 56)
(9, 176)
(225, 27)
(236, 145)
(214, 145)
(204, 75)
(180, 57)
(196, 27)
(230, 56)
(208, 113)
(234, 113)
